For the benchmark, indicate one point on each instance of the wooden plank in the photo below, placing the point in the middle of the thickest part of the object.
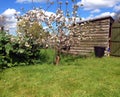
(77, 53)
(74, 50)
(82, 48)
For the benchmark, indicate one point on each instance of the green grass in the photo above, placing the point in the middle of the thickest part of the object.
(79, 77)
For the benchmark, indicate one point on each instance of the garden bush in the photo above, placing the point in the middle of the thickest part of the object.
(4, 49)
(14, 52)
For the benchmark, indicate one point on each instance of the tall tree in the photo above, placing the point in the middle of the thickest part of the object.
(2, 22)
(62, 24)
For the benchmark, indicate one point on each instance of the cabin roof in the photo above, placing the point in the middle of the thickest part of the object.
(97, 19)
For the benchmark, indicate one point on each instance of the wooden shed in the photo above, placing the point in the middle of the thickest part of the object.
(99, 36)
(115, 39)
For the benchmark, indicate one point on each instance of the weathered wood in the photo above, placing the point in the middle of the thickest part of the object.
(115, 39)
(98, 35)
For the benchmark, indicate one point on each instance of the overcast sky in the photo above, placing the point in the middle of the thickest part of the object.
(91, 8)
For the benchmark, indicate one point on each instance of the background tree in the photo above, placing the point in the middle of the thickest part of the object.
(117, 17)
(2, 22)
(31, 32)
(62, 24)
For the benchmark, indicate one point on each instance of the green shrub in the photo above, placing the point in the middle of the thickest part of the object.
(23, 54)
(4, 49)
(14, 51)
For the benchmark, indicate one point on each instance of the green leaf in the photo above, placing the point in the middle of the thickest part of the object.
(8, 47)
(0, 48)
(21, 50)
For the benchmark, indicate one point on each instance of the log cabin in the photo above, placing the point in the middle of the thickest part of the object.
(98, 35)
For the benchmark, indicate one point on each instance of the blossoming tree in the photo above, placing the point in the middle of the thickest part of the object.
(62, 25)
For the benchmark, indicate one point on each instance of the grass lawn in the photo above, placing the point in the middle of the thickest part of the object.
(80, 77)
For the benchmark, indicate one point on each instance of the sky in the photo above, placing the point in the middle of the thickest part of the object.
(90, 9)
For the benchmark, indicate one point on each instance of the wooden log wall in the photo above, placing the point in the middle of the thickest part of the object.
(97, 34)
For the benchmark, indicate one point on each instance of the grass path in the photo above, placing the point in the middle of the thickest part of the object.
(92, 77)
